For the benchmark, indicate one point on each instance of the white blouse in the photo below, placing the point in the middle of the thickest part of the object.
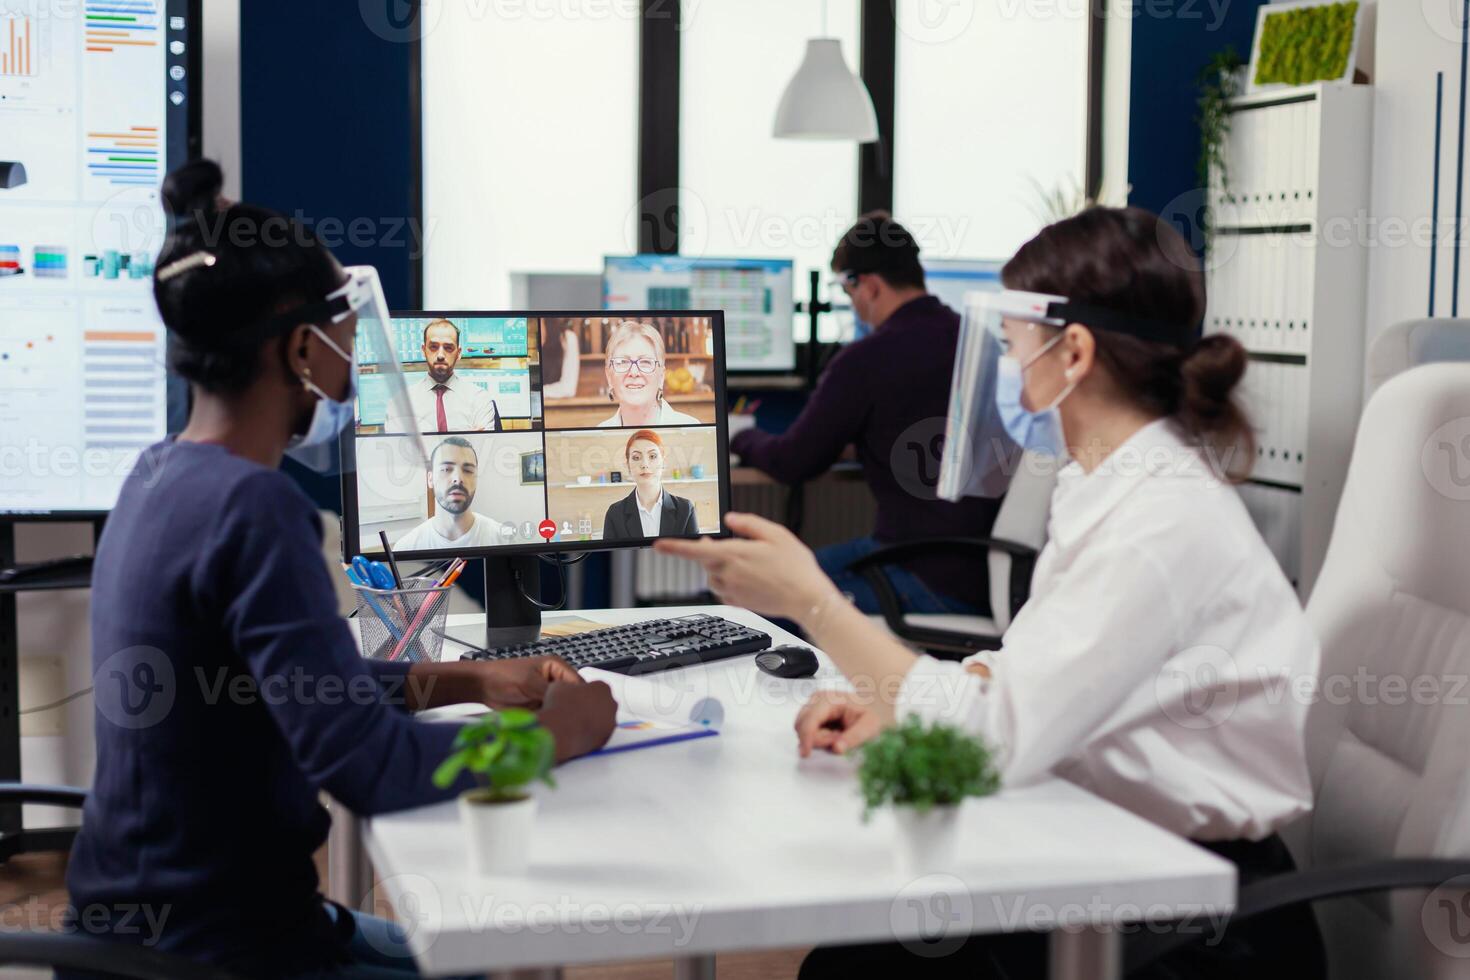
(1163, 660)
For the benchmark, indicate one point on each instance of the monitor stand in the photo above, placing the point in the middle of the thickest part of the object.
(509, 616)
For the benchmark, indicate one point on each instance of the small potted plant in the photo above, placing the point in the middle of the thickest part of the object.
(924, 773)
(505, 751)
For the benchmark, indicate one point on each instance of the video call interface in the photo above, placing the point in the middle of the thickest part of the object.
(539, 431)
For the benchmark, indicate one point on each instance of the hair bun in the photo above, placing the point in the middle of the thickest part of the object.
(193, 188)
(1212, 370)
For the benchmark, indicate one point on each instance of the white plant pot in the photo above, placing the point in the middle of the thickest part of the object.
(928, 841)
(499, 834)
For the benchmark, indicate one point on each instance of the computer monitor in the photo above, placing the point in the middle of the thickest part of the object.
(756, 295)
(506, 448)
(951, 279)
(96, 105)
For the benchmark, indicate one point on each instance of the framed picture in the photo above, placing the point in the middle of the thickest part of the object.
(533, 468)
(1305, 42)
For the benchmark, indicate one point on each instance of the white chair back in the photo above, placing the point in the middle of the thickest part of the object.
(1414, 342)
(1022, 518)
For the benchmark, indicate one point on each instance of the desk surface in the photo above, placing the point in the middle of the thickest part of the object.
(734, 843)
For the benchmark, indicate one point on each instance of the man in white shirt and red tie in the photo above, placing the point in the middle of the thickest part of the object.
(443, 401)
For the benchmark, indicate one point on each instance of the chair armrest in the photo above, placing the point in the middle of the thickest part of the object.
(42, 795)
(929, 547)
(112, 959)
(1283, 891)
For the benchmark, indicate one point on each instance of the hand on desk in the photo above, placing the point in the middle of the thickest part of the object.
(839, 721)
(580, 716)
(523, 683)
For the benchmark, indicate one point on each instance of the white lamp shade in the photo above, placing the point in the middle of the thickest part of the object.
(824, 100)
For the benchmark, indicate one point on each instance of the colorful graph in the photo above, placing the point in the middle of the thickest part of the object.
(126, 157)
(114, 25)
(15, 46)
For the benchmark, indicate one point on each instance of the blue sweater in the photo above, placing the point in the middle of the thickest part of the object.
(229, 693)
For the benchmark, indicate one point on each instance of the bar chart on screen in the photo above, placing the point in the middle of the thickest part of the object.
(17, 45)
(116, 25)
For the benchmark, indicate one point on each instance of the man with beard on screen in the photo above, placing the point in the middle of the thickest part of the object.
(442, 400)
(454, 470)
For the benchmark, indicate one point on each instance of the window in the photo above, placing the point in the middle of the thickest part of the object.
(744, 193)
(530, 128)
(990, 115)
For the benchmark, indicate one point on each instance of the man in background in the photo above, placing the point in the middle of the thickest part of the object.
(872, 396)
(454, 472)
(442, 400)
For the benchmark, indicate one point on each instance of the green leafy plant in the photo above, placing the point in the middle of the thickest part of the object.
(1065, 199)
(924, 767)
(1306, 44)
(1219, 83)
(505, 751)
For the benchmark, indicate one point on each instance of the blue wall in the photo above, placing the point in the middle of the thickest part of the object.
(1172, 41)
(325, 129)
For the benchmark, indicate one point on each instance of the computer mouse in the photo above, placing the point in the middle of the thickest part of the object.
(787, 661)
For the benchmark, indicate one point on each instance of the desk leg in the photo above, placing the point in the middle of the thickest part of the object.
(348, 870)
(1095, 953)
(695, 968)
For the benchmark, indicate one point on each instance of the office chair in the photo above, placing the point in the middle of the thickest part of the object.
(78, 952)
(1009, 555)
(1389, 838)
(1414, 342)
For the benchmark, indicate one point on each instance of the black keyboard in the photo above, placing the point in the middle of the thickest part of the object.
(656, 644)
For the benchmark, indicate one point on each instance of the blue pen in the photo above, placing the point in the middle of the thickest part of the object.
(372, 601)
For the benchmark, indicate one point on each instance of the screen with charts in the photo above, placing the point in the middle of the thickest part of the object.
(951, 279)
(534, 433)
(95, 107)
(756, 296)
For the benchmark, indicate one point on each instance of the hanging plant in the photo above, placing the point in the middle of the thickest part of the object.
(1219, 83)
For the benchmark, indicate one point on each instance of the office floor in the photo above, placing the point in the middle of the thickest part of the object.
(36, 883)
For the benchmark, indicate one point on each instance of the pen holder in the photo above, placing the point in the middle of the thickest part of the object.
(403, 625)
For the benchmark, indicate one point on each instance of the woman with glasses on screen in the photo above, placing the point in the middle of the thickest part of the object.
(635, 378)
(230, 693)
(649, 511)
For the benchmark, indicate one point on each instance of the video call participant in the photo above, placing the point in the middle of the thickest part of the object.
(443, 401)
(211, 569)
(635, 378)
(871, 396)
(454, 470)
(649, 511)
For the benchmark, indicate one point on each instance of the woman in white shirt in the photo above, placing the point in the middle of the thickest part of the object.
(635, 378)
(1156, 659)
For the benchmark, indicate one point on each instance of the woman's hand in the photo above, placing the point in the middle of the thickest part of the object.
(767, 569)
(523, 683)
(839, 721)
(579, 716)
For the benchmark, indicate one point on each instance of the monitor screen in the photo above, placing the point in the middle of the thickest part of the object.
(951, 279)
(95, 107)
(756, 296)
(525, 432)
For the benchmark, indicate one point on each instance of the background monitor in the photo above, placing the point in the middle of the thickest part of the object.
(559, 472)
(951, 279)
(96, 105)
(756, 295)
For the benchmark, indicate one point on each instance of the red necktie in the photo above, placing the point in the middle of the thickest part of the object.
(439, 391)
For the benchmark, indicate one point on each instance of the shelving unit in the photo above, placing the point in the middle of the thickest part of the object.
(1286, 276)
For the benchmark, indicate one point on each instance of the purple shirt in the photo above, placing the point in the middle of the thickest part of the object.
(888, 395)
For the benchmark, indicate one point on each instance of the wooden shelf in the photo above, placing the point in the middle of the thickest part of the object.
(629, 484)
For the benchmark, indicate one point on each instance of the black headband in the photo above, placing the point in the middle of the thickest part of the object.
(1101, 318)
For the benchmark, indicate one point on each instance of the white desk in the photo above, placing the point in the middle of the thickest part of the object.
(733, 843)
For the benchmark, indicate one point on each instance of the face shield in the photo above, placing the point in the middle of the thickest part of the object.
(979, 457)
(380, 389)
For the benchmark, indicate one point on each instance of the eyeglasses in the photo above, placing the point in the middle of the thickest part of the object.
(620, 365)
(843, 280)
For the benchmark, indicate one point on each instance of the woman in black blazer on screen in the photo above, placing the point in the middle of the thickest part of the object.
(649, 511)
